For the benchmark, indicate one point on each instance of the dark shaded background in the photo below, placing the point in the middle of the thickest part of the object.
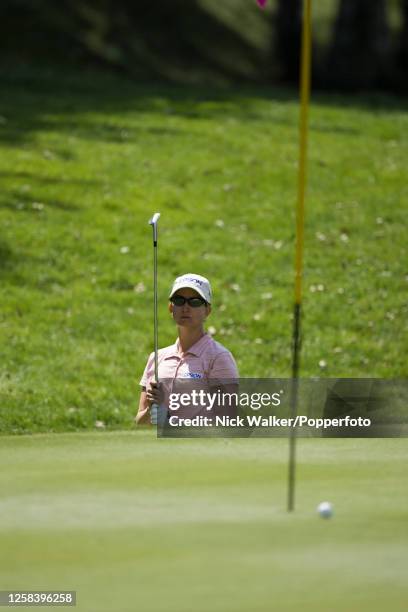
(362, 44)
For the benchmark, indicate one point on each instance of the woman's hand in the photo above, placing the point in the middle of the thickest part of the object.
(154, 394)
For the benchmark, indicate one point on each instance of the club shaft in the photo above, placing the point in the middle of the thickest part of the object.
(153, 222)
(156, 322)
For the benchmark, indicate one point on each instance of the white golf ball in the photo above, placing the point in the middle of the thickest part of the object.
(325, 509)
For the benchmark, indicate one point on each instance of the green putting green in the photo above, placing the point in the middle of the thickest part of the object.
(135, 523)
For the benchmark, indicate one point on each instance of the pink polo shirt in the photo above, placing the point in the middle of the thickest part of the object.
(205, 360)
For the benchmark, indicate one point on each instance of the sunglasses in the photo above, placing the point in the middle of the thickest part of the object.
(194, 302)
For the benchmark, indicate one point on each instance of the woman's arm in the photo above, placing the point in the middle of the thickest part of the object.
(224, 377)
(142, 416)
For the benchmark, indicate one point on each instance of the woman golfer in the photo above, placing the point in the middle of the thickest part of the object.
(195, 355)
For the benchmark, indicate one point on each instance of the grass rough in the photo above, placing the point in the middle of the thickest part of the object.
(86, 159)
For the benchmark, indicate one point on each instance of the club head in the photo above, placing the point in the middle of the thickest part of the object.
(153, 222)
(154, 219)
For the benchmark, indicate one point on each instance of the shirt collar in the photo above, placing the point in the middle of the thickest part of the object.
(197, 348)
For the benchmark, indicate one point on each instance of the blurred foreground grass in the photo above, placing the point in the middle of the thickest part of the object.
(126, 519)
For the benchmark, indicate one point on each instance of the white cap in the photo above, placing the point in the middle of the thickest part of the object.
(193, 281)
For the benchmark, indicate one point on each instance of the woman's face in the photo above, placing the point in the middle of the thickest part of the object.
(186, 315)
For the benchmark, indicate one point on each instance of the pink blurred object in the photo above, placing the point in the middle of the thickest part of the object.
(261, 3)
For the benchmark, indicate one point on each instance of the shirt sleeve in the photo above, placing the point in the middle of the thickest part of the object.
(148, 371)
(224, 367)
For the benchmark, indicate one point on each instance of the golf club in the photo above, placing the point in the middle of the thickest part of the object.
(153, 222)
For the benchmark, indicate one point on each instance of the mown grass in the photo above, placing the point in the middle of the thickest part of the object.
(86, 159)
(127, 520)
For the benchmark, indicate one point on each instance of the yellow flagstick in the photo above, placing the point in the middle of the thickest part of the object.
(300, 221)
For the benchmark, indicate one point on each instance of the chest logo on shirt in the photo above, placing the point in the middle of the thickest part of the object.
(192, 375)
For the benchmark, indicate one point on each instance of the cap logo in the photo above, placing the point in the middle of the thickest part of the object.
(193, 280)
